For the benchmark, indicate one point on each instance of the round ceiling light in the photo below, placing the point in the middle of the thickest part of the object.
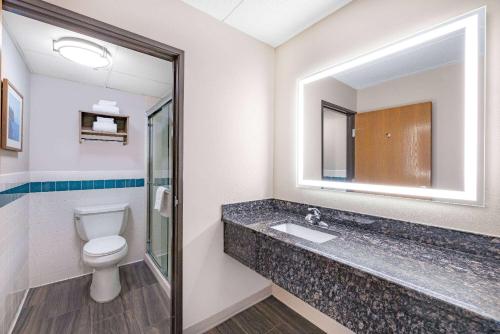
(83, 52)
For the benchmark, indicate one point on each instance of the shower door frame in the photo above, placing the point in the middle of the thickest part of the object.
(64, 18)
(150, 114)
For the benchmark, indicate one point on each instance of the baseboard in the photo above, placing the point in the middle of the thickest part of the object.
(218, 318)
(164, 283)
(18, 312)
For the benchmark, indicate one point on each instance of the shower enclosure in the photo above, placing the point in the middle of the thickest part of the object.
(160, 174)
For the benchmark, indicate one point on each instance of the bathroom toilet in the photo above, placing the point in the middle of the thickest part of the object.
(101, 227)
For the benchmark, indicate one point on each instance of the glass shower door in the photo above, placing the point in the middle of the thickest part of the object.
(160, 127)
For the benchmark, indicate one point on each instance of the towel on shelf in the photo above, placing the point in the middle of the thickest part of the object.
(104, 127)
(107, 103)
(105, 120)
(163, 202)
(105, 108)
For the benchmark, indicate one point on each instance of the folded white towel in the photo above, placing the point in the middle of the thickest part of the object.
(163, 202)
(104, 127)
(107, 103)
(105, 120)
(108, 109)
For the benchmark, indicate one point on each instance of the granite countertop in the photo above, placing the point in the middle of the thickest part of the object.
(444, 271)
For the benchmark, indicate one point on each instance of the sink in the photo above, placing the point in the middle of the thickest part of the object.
(304, 232)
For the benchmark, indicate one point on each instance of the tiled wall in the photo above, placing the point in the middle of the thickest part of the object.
(51, 222)
(55, 247)
(50, 205)
(14, 271)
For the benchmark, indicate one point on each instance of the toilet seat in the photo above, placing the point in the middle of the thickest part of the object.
(104, 246)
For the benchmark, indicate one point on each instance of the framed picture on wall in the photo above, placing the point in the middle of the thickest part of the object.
(12, 117)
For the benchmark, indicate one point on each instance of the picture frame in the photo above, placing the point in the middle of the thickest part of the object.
(12, 117)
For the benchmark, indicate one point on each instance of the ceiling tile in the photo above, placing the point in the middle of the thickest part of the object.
(276, 21)
(129, 83)
(64, 69)
(142, 65)
(216, 8)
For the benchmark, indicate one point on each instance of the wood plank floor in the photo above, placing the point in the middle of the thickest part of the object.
(267, 317)
(66, 307)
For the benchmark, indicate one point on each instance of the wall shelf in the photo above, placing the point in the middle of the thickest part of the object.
(87, 118)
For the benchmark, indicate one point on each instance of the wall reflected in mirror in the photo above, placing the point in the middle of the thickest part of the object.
(397, 120)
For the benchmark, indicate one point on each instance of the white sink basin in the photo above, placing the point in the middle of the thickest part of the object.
(304, 232)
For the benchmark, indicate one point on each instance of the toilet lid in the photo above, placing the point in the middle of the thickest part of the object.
(104, 245)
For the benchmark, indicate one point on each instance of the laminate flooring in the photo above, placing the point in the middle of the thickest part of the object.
(267, 317)
(66, 307)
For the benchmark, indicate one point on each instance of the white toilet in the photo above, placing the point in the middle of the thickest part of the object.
(101, 227)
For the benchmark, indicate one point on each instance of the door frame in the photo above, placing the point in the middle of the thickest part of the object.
(64, 18)
(350, 126)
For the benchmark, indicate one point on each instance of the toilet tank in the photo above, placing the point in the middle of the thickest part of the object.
(101, 221)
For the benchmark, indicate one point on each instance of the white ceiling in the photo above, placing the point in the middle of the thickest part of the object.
(271, 21)
(436, 53)
(130, 71)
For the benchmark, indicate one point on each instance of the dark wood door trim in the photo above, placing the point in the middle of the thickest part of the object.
(350, 126)
(61, 17)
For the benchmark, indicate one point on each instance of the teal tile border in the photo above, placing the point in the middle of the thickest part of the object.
(62, 185)
(10, 195)
(35, 187)
(48, 186)
(75, 185)
(85, 185)
(109, 184)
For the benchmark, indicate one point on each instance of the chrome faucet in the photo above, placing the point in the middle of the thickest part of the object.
(314, 218)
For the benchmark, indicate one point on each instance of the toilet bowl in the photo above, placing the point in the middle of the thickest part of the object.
(104, 254)
(101, 227)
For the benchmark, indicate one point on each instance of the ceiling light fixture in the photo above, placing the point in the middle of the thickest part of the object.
(83, 52)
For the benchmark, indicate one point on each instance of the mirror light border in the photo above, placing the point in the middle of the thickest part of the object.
(470, 23)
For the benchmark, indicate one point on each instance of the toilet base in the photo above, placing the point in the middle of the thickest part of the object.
(105, 284)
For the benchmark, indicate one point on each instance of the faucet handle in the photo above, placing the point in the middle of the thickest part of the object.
(315, 211)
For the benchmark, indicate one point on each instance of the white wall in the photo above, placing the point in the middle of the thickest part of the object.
(228, 133)
(14, 246)
(443, 87)
(54, 139)
(14, 69)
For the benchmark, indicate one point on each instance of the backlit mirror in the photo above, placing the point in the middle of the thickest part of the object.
(406, 119)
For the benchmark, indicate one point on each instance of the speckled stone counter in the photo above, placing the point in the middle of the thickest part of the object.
(377, 275)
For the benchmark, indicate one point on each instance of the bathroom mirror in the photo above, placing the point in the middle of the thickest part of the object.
(406, 119)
